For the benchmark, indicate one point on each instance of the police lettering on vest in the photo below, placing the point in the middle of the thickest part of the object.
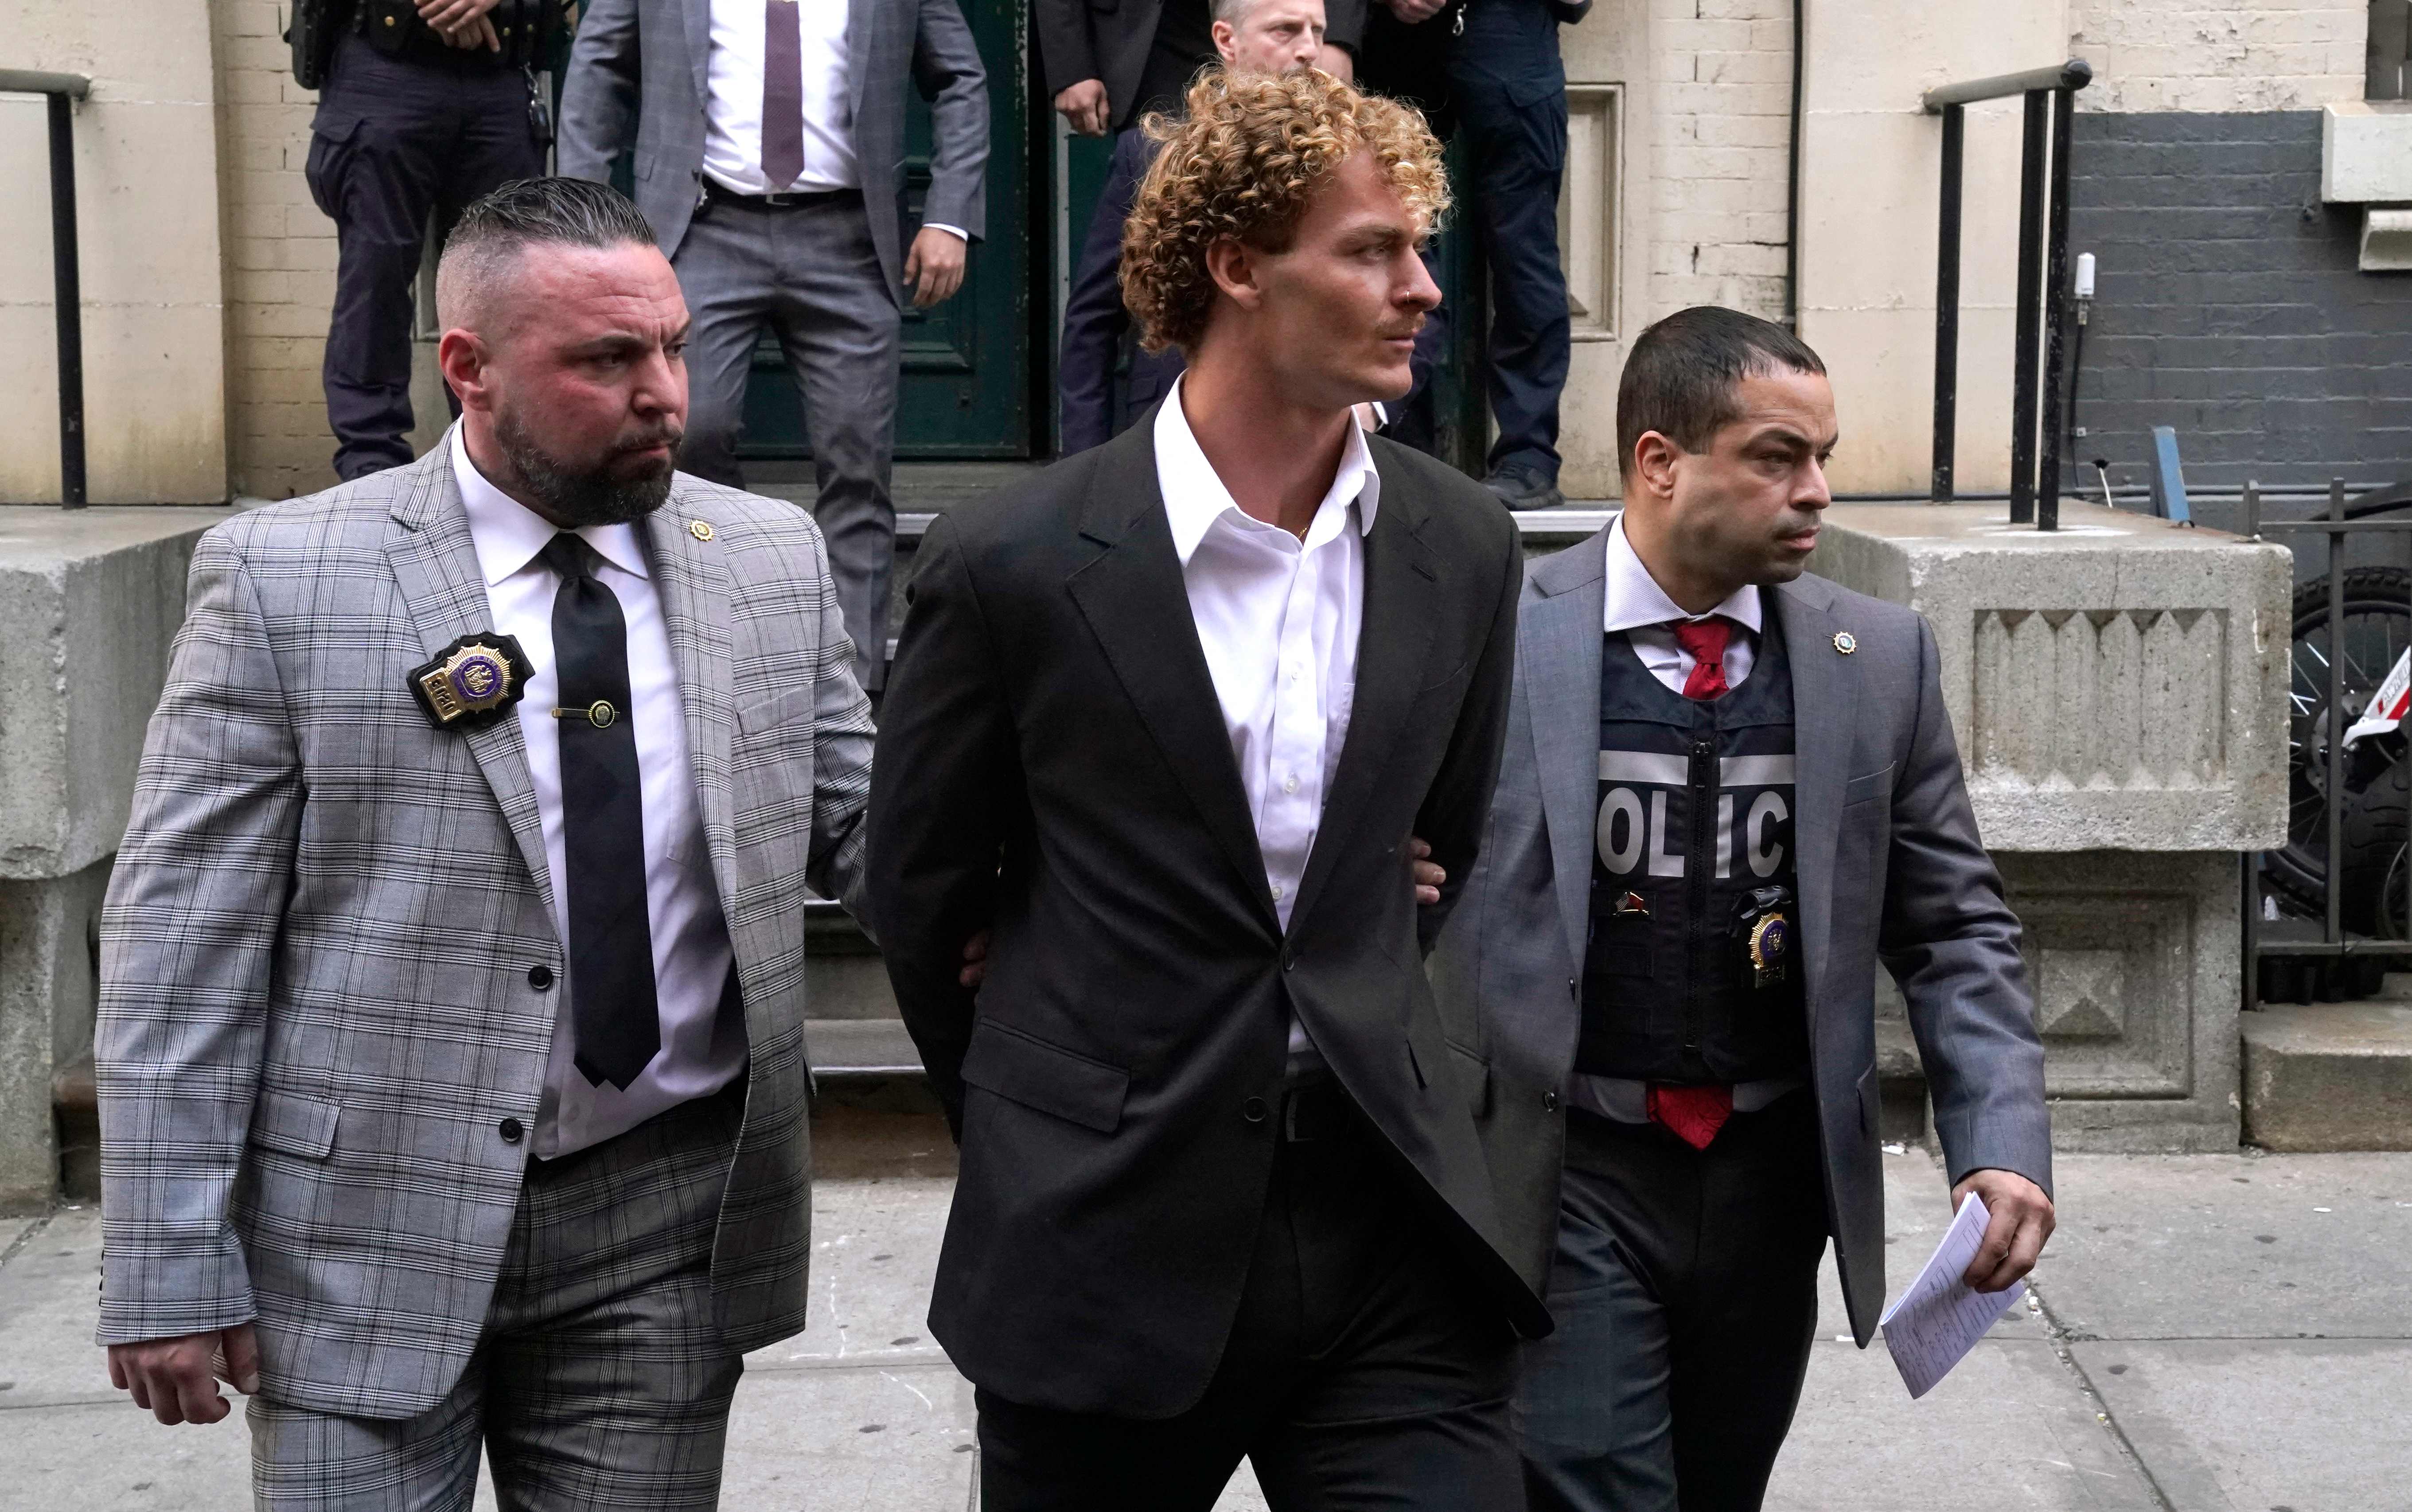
(1693, 972)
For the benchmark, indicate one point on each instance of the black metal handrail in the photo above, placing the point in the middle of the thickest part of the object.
(2043, 279)
(62, 90)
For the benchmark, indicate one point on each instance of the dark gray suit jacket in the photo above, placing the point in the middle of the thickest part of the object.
(640, 63)
(1052, 762)
(1109, 41)
(1890, 870)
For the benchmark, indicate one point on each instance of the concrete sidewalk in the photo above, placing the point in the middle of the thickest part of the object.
(2222, 1333)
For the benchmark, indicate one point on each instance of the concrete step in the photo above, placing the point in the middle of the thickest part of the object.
(861, 1048)
(2335, 1076)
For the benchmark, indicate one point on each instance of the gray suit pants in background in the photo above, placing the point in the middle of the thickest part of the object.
(602, 1380)
(809, 272)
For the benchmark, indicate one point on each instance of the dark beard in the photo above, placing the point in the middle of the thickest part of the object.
(593, 498)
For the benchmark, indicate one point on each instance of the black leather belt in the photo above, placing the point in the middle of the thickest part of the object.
(1318, 1110)
(720, 194)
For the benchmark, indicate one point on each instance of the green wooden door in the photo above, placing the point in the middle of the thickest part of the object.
(966, 382)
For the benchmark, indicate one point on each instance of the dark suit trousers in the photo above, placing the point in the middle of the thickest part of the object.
(1365, 1367)
(395, 141)
(1105, 380)
(1685, 1294)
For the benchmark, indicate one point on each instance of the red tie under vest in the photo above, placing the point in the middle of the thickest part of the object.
(1695, 1114)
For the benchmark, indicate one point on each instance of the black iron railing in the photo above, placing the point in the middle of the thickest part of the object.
(2043, 281)
(62, 90)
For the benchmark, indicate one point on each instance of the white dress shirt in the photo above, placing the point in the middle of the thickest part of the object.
(699, 1053)
(1278, 619)
(732, 116)
(1639, 608)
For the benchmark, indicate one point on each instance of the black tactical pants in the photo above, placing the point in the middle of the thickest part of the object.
(397, 141)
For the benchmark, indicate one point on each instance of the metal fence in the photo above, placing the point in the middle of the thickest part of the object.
(2335, 671)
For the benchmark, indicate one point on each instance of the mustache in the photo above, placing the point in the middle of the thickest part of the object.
(673, 436)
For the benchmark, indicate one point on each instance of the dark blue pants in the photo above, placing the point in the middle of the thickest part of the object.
(1097, 397)
(1508, 95)
(395, 141)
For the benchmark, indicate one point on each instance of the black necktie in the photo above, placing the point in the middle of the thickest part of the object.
(612, 1005)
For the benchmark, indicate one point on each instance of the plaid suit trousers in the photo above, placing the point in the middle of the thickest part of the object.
(601, 1379)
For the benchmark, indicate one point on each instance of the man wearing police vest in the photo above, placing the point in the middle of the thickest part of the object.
(1730, 791)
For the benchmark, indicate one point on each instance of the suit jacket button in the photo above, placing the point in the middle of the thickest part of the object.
(1573, 990)
(1253, 1110)
(510, 1129)
(1287, 960)
(1549, 1102)
(540, 977)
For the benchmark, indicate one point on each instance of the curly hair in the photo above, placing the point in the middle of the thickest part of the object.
(1244, 165)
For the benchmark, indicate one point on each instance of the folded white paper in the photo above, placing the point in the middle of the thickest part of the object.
(1941, 1318)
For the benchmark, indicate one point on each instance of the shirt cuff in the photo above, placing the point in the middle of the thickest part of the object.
(956, 231)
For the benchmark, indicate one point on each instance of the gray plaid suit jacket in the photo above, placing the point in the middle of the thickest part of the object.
(315, 1003)
(1890, 869)
(636, 77)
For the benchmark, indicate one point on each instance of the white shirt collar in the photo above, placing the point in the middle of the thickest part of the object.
(1194, 497)
(508, 533)
(1635, 600)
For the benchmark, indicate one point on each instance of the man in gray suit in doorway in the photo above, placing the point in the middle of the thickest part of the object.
(452, 1050)
(1730, 791)
(768, 141)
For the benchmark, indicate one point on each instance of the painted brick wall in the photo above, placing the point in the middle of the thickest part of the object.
(1723, 76)
(2218, 55)
(2229, 305)
(280, 260)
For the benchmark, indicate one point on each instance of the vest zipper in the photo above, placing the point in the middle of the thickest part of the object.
(1698, 868)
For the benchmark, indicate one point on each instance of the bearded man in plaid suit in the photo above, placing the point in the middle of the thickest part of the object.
(453, 1089)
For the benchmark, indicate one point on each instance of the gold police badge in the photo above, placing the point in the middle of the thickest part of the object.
(472, 683)
(1771, 948)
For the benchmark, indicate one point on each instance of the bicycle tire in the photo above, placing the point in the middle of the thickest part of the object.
(2297, 873)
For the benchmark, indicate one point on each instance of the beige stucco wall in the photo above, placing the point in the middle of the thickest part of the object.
(153, 315)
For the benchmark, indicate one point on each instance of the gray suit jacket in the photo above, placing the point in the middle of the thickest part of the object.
(315, 1007)
(637, 69)
(1890, 870)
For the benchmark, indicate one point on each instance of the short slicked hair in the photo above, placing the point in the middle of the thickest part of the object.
(1252, 154)
(523, 213)
(1680, 377)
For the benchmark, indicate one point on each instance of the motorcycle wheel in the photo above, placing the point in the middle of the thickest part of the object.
(2377, 627)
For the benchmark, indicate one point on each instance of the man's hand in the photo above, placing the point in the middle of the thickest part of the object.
(476, 34)
(974, 962)
(1338, 61)
(934, 267)
(1412, 11)
(1083, 106)
(171, 1378)
(2019, 1220)
(1428, 874)
(452, 15)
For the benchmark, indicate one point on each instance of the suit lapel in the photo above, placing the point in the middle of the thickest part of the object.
(1558, 648)
(691, 577)
(860, 44)
(1823, 708)
(1136, 604)
(699, 46)
(434, 564)
(1401, 613)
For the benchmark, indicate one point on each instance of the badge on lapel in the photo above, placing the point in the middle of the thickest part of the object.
(473, 681)
(1845, 642)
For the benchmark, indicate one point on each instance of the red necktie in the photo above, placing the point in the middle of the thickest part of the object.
(1695, 1114)
(1704, 641)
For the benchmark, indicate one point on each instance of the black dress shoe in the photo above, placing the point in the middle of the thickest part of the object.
(1520, 490)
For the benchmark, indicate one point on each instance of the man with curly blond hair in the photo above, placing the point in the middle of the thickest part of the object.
(1164, 725)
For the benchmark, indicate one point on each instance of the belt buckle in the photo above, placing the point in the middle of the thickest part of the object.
(782, 199)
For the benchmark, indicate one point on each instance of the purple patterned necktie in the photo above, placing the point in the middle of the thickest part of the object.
(783, 94)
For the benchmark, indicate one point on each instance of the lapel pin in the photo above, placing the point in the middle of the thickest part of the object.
(472, 682)
(1845, 642)
(699, 529)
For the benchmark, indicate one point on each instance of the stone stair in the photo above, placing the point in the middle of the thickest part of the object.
(2331, 1075)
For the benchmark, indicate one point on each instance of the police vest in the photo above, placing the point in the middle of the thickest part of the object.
(1693, 974)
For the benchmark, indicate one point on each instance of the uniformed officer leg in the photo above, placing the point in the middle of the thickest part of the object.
(1415, 416)
(1512, 101)
(496, 145)
(374, 168)
(1592, 1400)
(304, 1461)
(727, 271)
(842, 330)
(1743, 1336)
(608, 1383)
